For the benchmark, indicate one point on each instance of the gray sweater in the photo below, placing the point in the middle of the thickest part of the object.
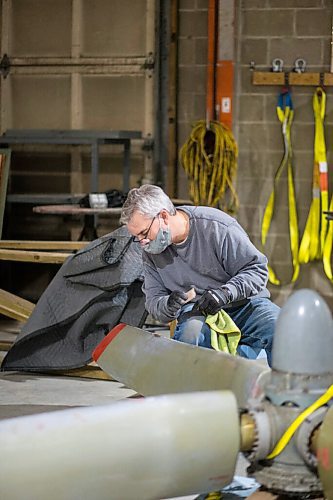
(217, 252)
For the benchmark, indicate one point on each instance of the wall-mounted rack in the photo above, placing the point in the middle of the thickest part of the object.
(291, 78)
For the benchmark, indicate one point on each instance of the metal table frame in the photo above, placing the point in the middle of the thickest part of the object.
(93, 138)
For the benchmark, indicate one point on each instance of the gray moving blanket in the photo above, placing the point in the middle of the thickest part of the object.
(93, 291)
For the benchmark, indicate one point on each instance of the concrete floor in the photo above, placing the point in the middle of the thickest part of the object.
(26, 394)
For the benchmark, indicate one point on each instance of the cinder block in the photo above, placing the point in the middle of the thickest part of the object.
(254, 49)
(313, 22)
(186, 5)
(329, 108)
(291, 48)
(186, 107)
(184, 130)
(272, 164)
(267, 22)
(302, 213)
(280, 294)
(199, 107)
(253, 191)
(275, 137)
(284, 273)
(253, 4)
(322, 283)
(303, 165)
(249, 218)
(193, 23)
(251, 108)
(304, 90)
(303, 191)
(279, 4)
(303, 134)
(270, 104)
(326, 51)
(186, 51)
(252, 138)
(245, 76)
(252, 163)
(202, 4)
(192, 79)
(201, 50)
(183, 191)
(329, 137)
(277, 246)
(303, 108)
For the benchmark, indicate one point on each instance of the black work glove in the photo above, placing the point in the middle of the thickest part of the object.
(211, 301)
(175, 301)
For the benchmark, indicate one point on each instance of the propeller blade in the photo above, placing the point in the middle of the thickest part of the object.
(152, 364)
(146, 448)
(325, 454)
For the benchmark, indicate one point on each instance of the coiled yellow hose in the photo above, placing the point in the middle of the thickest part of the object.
(209, 158)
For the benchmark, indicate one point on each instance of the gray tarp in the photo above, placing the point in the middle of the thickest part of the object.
(94, 290)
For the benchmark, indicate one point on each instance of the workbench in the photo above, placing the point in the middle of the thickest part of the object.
(92, 138)
(89, 228)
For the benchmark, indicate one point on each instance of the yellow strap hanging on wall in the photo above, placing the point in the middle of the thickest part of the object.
(315, 231)
(327, 251)
(285, 114)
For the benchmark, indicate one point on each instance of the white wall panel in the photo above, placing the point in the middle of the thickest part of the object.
(113, 28)
(40, 28)
(40, 101)
(113, 102)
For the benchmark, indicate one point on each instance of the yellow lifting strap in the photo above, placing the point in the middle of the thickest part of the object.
(315, 231)
(285, 114)
(327, 251)
(288, 434)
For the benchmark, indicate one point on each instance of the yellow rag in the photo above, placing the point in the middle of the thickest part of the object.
(225, 334)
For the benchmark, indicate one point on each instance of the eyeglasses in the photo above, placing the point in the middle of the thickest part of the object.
(144, 234)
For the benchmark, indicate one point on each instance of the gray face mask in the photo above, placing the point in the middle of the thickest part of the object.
(160, 243)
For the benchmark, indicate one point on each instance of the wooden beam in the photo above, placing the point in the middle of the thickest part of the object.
(5, 345)
(304, 79)
(94, 372)
(328, 79)
(292, 78)
(34, 256)
(43, 245)
(268, 78)
(14, 306)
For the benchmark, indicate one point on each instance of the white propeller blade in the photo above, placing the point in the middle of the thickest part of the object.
(151, 364)
(144, 449)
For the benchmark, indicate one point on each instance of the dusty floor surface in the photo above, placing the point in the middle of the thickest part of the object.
(26, 394)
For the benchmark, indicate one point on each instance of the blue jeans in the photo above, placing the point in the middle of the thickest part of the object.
(256, 321)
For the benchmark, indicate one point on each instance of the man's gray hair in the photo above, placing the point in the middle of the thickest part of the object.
(148, 200)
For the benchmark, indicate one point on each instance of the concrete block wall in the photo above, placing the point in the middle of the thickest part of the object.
(269, 29)
(192, 60)
(266, 29)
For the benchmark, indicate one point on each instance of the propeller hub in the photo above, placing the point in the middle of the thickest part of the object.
(303, 339)
(302, 371)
